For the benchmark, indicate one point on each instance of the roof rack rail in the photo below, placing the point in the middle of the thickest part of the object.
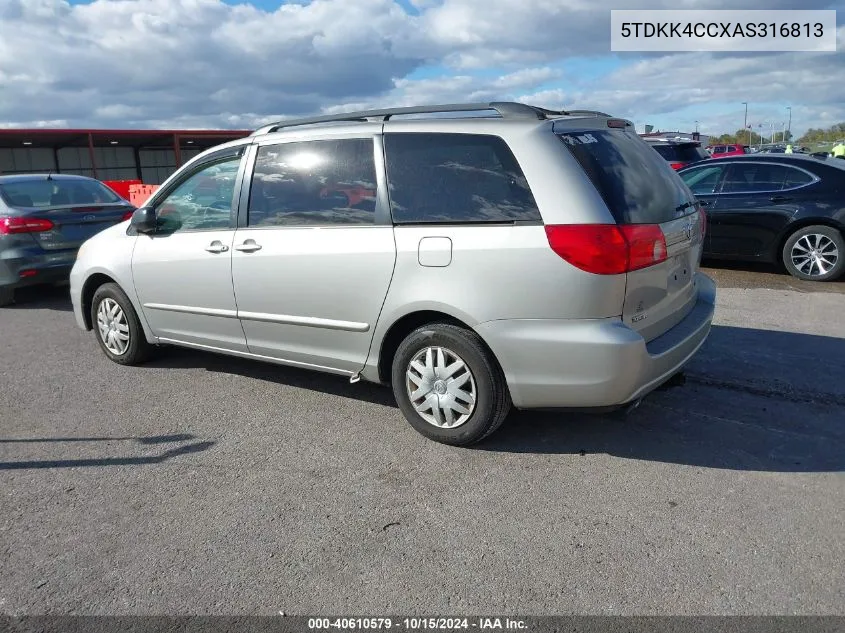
(505, 109)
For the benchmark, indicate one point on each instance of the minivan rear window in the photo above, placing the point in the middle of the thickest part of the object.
(637, 184)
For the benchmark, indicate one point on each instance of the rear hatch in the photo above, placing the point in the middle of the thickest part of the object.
(659, 217)
(61, 213)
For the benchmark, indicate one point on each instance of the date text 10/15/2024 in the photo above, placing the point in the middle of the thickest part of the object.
(416, 624)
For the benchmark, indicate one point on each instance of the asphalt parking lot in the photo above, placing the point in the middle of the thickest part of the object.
(201, 484)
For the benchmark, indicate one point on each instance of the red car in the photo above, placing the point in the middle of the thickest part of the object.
(723, 151)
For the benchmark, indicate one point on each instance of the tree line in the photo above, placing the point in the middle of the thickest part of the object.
(812, 136)
(827, 135)
(742, 137)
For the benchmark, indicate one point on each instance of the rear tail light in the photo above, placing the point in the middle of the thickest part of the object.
(676, 165)
(27, 273)
(608, 249)
(9, 226)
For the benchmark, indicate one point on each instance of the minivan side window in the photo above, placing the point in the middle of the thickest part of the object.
(314, 183)
(455, 178)
(719, 149)
(202, 202)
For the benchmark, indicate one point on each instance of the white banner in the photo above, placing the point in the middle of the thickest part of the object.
(722, 31)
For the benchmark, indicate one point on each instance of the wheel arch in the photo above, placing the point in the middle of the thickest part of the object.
(95, 280)
(407, 323)
(90, 286)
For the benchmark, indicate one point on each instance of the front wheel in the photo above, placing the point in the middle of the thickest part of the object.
(815, 253)
(448, 385)
(117, 327)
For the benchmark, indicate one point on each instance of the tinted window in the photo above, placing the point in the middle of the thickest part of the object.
(703, 180)
(455, 178)
(719, 150)
(752, 177)
(638, 186)
(201, 202)
(58, 191)
(314, 183)
(686, 153)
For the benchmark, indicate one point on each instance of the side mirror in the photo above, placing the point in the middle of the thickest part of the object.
(144, 220)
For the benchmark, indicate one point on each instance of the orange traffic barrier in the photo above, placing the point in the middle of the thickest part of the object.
(138, 194)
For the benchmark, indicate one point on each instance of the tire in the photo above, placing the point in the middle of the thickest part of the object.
(7, 296)
(138, 349)
(486, 381)
(806, 240)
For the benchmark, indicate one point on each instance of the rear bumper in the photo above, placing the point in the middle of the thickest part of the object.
(593, 363)
(19, 267)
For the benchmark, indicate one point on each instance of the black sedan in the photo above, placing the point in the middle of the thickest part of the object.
(780, 208)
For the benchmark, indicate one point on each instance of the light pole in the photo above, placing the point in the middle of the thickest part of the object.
(696, 127)
(789, 125)
(745, 122)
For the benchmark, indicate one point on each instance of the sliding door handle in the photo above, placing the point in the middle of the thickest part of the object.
(248, 246)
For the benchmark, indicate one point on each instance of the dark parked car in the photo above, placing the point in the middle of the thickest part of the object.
(43, 220)
(678, 153)
(778, 208)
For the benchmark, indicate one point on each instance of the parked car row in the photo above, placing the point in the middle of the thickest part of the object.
(517, 257)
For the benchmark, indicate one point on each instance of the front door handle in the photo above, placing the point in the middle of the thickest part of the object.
(248, 246)
(780, 199)
(217, 247)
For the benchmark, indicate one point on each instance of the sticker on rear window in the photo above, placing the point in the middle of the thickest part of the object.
(581, 139)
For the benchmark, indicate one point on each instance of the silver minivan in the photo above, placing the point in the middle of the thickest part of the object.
(474, 257)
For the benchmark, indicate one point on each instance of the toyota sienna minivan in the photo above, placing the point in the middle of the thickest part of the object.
(473, 257)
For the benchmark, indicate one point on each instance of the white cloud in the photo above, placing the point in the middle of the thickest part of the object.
(203, 63)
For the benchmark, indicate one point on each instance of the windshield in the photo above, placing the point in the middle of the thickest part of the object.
(637, 184)
(56, 192)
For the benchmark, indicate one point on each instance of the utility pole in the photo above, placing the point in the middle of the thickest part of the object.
(745, 122)
(789, 125)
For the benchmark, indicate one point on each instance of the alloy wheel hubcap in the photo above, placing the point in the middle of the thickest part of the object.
(113, 327)
(814, 254)
(441, 387)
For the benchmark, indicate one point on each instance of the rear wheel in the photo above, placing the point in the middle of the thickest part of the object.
(815, 253)
(448, 385)
(117, 327)
(7, 296)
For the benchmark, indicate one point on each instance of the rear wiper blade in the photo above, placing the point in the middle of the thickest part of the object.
(683, 206)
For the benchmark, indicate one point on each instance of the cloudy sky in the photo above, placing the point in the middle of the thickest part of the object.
(239, 63)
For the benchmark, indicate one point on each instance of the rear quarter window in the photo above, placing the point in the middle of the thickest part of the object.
(455, 178)
(637, 184)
